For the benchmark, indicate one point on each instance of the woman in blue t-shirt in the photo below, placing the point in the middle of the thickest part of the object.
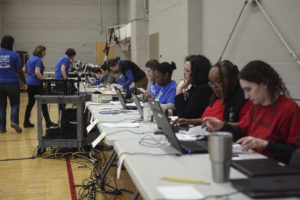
(35, 69)
(10, 70)
(63, 64)
(163, 77)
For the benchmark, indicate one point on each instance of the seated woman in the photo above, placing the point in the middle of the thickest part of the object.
(193, 93)
(153, 88)
(271, 126)
(163, 77)
(228, 102)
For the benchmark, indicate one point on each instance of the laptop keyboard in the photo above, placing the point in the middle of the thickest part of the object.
(194, 145)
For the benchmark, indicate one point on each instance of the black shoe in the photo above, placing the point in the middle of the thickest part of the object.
(16, 127)
(28, 125)
(49, 124)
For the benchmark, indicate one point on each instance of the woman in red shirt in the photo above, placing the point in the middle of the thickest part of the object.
(272, 125)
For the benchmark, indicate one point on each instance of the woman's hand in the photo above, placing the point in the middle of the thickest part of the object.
(147, 96)
(250, 142)
(182, 84)
(212, 124)
(185, 122)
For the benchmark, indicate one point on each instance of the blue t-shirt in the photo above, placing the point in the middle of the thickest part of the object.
(167, 93)
(154, 89)
(31, 64)
(62, 61)
(9, 61)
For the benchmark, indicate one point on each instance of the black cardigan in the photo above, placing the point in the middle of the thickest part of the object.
(195, 104)
(138, 74)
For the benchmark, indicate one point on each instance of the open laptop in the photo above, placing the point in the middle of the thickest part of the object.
(263, 167)
(155, 105)
(122, 100)
(269, 186)
(138, 105)
(185, 147)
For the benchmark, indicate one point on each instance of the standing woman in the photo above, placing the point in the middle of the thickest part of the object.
(35, 68)
(271, 126)
(10, 69)
(63, 64)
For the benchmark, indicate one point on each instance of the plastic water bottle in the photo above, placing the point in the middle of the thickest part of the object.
(147, 112)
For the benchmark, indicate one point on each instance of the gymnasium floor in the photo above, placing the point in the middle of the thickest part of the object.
(23, 176)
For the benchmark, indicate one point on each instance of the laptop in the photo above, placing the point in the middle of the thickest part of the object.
(269, 186)
(122, 100)
(263, 167)
(185, 147)
(138, 105)
(155, 105)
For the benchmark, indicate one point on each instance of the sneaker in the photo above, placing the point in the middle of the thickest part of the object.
(49, 124)
(3, 131)
(28, 125)
(16, 127)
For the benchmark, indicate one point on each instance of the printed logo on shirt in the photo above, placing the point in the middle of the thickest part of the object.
(4, 61)
(158, 96)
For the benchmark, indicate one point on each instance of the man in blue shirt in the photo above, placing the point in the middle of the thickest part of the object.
(130, 74)
(154, 88)
(10, 69)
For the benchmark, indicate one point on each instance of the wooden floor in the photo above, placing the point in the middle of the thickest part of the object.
(42, 178)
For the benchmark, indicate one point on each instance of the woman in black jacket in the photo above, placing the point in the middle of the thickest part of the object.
(193, 93)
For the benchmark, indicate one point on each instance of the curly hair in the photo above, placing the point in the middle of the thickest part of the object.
(200, 67)
(260, 72)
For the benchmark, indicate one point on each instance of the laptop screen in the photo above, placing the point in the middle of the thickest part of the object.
(138, 105)
(163, 122)
(121, 97)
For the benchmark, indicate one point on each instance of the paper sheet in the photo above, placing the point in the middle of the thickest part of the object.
(185, 137)
(180, 192)
(237, 149)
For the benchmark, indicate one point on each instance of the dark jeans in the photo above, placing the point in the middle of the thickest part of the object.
(32, 91)
(12, 91)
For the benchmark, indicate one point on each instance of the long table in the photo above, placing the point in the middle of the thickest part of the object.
(147, 164)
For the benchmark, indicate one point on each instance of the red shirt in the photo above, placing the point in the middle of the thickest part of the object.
(244, 110)
(215, 110)
(276, 123)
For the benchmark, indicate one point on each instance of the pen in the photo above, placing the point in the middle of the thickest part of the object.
(167, 178)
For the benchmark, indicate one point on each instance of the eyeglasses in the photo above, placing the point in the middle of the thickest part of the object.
(214, 83)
